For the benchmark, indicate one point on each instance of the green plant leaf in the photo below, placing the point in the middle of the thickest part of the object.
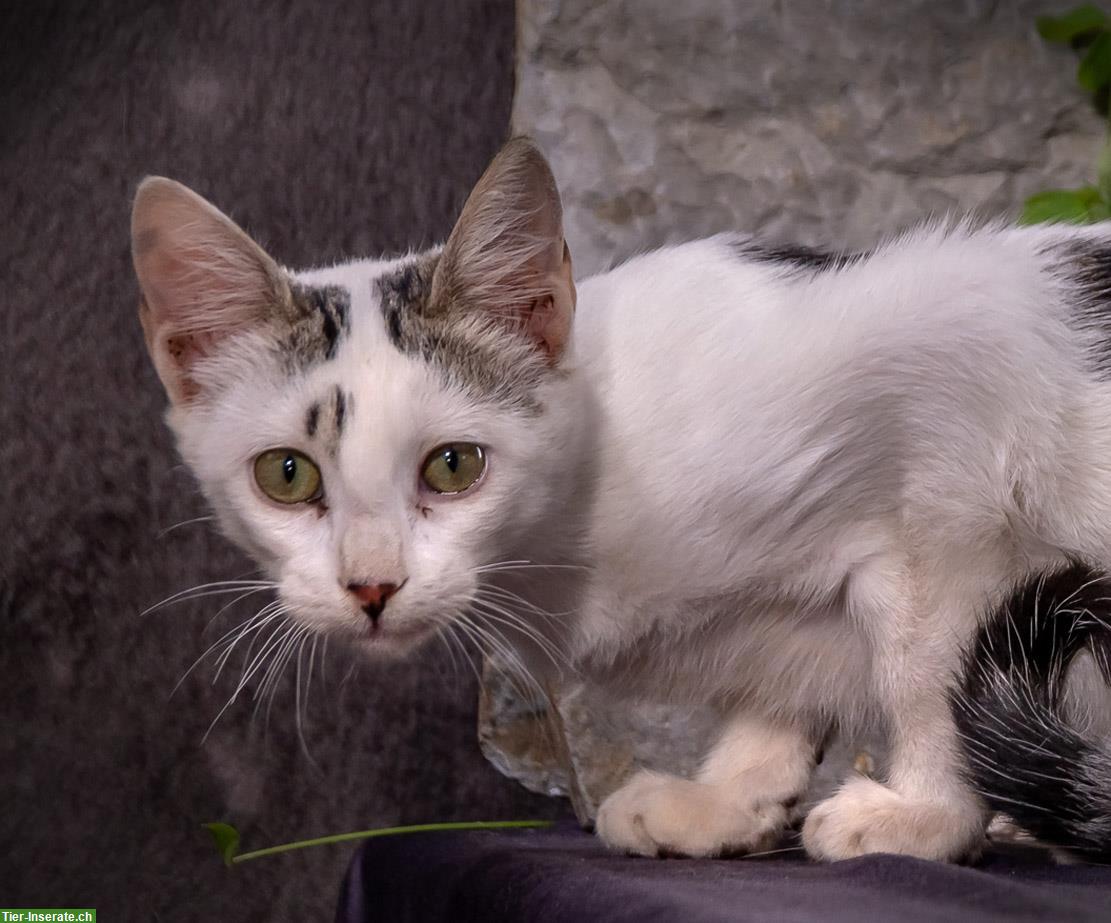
(1095, 67)
(226, 838)
(1074, 24)
(1098, 211)
(1072, 206)
(1103, 169)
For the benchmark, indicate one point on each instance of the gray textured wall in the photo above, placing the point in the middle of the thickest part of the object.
(830, 122)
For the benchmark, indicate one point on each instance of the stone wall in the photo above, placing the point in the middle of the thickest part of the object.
(823, 123)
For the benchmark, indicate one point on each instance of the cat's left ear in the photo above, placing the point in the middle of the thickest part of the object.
(507, 256)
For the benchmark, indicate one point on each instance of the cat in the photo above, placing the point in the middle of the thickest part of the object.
(800, 486)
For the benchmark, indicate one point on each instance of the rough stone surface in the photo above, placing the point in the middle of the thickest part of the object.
(830, 124)
(587, 748)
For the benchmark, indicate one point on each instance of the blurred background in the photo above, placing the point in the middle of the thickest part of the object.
(326, 130)
(341, 129)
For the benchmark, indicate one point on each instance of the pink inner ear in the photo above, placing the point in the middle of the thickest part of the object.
(201, 289)
(186, 348)
(541, 325)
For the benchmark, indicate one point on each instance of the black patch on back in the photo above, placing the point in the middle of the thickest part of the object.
(312, 419)
(1022, 755)
(1086, 265)
(794, 256)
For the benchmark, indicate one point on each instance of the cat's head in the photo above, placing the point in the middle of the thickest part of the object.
(380, 434)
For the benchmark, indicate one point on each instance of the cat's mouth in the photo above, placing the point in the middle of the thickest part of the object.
(385, 637)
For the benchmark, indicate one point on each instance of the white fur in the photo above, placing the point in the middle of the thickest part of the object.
(792, 493)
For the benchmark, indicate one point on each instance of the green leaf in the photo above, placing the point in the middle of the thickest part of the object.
(1072, 206)
(1072, 25)
(1103, 169)
(1095, 67)
(1098, 211)
(226, 838)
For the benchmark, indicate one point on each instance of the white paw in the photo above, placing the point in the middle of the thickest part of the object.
(867, 817)
(660, 815)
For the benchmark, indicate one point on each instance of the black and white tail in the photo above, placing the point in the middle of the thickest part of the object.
(1023, 755)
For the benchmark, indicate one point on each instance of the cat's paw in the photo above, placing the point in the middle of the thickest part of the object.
(660, 815)
(867, 817)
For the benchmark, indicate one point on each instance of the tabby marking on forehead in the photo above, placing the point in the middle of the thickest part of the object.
(326, 419)
(482, 358)
(339, 411)
(319, 318)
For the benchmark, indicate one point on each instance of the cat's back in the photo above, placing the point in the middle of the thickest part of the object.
(740, 389)
(728, 317)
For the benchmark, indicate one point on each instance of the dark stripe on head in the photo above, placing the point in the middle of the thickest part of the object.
(312, 418)
(320, 318)
(326, 418)
(340, 404)
(795, 257)
(480, 357)
(1085, 265)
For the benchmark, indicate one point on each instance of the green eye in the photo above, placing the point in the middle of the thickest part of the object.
(287, 476)
(453, 467)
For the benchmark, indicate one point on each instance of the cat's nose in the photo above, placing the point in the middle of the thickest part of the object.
(373, 597)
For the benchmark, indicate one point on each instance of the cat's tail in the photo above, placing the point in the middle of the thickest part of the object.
(1026, 752)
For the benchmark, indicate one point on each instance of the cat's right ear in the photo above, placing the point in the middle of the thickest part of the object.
(202, 280)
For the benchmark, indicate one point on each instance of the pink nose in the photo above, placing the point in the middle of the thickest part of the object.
(373, 596)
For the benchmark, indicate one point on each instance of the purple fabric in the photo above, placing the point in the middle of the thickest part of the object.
(566, 875)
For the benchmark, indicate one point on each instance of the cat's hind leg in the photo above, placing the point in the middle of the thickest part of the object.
(738, 802)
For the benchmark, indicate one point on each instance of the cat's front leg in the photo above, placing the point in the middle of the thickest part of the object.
(738, 802)
(925, 808)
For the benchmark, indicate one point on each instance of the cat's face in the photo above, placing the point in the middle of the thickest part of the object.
(378, 435)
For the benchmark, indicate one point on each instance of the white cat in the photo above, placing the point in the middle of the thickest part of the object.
(791, 484)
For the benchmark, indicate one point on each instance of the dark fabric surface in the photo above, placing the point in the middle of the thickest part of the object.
(327, 129)
(566, 875)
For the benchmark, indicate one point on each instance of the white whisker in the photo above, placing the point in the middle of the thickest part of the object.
(297, 702)
(208, 589)
(489, 611)
(224, 608)
(270, 615)
(489, 637)
(507, 566)
(235, 634)
(186, 522)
